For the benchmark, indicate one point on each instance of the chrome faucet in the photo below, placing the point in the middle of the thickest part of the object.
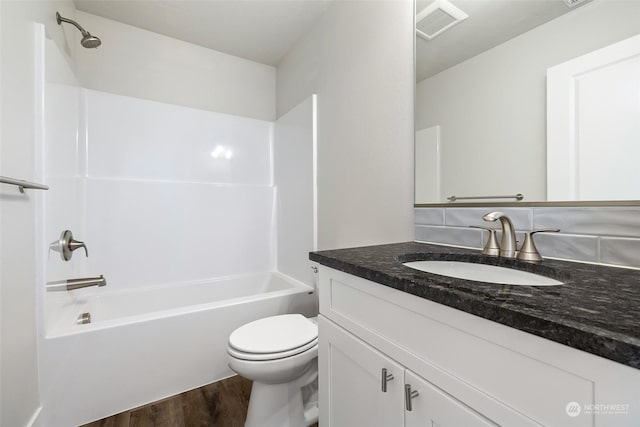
(71, 284)
(508, 246)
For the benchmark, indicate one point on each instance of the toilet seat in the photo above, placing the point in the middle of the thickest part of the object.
(271, 356)
(274, 336)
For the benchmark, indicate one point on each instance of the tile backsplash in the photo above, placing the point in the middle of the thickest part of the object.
(608, 235)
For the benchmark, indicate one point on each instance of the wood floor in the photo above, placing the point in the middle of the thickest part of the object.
(221, 404)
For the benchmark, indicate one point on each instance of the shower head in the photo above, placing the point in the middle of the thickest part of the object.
(89, 41)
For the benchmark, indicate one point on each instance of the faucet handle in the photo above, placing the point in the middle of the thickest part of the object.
(66, 245)
(491, 248)
(529, 252)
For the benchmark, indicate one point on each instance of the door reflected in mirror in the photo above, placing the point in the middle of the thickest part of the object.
(482, 104)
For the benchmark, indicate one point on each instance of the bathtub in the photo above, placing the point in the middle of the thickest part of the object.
(145, 344)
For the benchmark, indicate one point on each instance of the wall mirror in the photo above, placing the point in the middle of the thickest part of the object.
(538, 98)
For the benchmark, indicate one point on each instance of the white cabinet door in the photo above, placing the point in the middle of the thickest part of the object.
(350, 375)
(434, 408)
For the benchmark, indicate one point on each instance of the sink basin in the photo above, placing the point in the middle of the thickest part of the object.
(482, 273)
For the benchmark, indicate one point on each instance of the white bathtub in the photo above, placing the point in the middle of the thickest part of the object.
(148, 343)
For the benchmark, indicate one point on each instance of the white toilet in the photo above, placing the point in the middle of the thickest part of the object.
(280, 355)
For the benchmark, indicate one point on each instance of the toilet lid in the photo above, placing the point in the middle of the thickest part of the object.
(259, 357)
(274, 334)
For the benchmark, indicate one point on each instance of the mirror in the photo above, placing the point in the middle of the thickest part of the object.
(483, 126)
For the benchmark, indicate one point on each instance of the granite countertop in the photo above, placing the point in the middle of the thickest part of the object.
(596, 310)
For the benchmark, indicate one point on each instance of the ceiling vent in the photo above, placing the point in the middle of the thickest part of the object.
(438, 17)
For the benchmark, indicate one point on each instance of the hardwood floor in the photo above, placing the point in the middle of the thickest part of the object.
(221, 404)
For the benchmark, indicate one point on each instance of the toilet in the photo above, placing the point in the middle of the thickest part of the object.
(280, 355)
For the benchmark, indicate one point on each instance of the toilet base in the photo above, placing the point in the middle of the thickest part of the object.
(281, 405)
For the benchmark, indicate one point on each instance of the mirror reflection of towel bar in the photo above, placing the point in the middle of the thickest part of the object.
(518, 196)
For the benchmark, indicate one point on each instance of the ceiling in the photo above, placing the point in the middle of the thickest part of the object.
(258, 30)
(265, 30)
(490, 23)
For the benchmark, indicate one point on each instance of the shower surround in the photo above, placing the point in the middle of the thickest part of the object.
(184, 214)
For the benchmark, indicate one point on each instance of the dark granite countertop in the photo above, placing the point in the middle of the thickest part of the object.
(596, 310)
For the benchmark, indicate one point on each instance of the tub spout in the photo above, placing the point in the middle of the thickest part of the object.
(71, 284)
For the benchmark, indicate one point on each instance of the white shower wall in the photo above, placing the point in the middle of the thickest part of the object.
(132, 138)
(159, 193)
(174, 194)
(60, 121)
(295, 180)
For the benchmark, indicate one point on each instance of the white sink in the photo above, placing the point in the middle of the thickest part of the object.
(482, 273)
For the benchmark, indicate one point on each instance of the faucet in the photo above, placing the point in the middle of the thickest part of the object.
(71, 284)
(508, 246)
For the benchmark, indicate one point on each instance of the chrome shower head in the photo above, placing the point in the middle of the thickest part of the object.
(89, 41)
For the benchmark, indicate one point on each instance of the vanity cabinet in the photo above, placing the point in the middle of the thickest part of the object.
(367, 388)
(433, 407)
(466, 370)
(354, 381)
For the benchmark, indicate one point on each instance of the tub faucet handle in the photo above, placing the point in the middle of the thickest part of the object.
(76, 244)
(66, 245)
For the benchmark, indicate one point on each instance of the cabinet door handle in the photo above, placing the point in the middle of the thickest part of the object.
(385, 378)
(408, 395)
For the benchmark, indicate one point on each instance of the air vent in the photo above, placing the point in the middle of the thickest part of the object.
(438, 17)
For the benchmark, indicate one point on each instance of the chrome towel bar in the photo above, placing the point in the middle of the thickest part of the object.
(518, 196)
(22, 184)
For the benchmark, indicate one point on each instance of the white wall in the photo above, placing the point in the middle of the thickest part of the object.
(19, 157)
(358, 59)
(294, 178)
(492, 107)
(147, 65)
